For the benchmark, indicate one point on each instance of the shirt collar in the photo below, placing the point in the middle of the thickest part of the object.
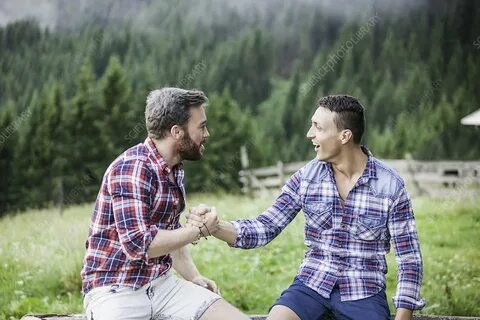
(370, 171)
(159, 159)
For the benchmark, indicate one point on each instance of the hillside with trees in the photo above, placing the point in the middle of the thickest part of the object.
(72, 98)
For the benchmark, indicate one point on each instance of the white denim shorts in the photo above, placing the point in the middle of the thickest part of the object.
(167, 297)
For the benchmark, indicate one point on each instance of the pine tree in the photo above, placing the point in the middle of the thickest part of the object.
(292, 117)
(117, 114)
(379, 112)
(32, 167)
(54, 141)
(86, 153)
(228, 127)
(8, 140)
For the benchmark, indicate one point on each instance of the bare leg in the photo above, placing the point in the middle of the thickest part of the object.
(280, 312)
(221, 310)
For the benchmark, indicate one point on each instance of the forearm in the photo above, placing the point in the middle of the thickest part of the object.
(409, 279)
(407, 253)
(167, 241)
(403, 314)
(226, 232)
(183, 263)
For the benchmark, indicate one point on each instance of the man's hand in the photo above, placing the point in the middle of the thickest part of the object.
(212, 222)
(196, 215)
(205, 218)
(206, 283)
(222, 230)
(404, 314)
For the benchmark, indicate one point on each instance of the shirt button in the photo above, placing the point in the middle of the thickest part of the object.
(343, 226)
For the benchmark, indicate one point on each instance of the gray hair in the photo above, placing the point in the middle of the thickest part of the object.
(167, 107)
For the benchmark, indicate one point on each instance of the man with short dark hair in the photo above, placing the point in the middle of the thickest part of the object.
(354, 205)
(135, 236)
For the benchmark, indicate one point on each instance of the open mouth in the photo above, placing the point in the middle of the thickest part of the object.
(316, 146)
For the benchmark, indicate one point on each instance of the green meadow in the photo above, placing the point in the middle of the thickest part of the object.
(42, 253)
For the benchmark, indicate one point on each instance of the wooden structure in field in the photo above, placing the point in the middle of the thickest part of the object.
(253, 317)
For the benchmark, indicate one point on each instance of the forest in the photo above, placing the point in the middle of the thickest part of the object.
(72, 96)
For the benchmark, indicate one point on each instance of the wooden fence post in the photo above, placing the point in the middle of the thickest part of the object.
(281, 173)
(247, 175)
(411, 172)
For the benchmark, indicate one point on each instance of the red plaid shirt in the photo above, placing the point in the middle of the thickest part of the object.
(136, 199)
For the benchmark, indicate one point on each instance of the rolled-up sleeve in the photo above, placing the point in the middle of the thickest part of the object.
(259, 231)
(130, 185)
(402, 228)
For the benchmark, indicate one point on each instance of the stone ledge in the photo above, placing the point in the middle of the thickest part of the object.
(253, 317)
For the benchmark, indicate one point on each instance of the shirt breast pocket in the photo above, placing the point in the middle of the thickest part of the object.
(318, 215)
(371, 227)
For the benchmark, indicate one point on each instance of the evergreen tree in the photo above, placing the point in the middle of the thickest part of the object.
(86, 152)
(228, 127)
(417, 73)
(291, 114)
(117, 114)
(8, 140)
(32, 166)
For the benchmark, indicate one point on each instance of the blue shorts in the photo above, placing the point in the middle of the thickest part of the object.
(309, 305)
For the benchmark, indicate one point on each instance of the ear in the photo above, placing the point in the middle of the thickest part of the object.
(177, 132)
(345, 136)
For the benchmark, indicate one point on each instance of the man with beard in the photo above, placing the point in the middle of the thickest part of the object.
(354, 206)
(135, 236)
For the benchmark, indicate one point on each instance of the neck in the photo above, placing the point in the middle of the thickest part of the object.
(351, 162)
(168, 152)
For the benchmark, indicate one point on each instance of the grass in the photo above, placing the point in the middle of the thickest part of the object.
(42, 252)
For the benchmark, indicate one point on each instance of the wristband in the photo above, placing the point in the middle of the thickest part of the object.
(207, 230)
(203, 235)
(200, 234)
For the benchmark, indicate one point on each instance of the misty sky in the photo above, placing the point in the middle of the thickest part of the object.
(51, 13)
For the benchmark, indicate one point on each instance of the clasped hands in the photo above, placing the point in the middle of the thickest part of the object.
(205, 218)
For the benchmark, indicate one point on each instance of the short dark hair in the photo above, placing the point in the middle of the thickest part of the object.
(349, 113)
(167, 107)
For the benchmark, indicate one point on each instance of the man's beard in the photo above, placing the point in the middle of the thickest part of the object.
(189, 150)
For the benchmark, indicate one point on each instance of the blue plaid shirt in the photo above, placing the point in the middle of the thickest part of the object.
(346, 242)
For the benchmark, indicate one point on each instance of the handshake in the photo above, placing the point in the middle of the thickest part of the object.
(204, 218)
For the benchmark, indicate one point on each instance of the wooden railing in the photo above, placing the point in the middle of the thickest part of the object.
(253, 317)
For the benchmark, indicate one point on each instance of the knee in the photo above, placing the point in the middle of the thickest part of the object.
(280, 312)
(221, 310)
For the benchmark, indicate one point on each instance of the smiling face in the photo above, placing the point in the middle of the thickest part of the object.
(324, 134)
(196, 133)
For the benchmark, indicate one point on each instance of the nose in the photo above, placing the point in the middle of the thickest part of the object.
(207, 133)
(310, 134)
